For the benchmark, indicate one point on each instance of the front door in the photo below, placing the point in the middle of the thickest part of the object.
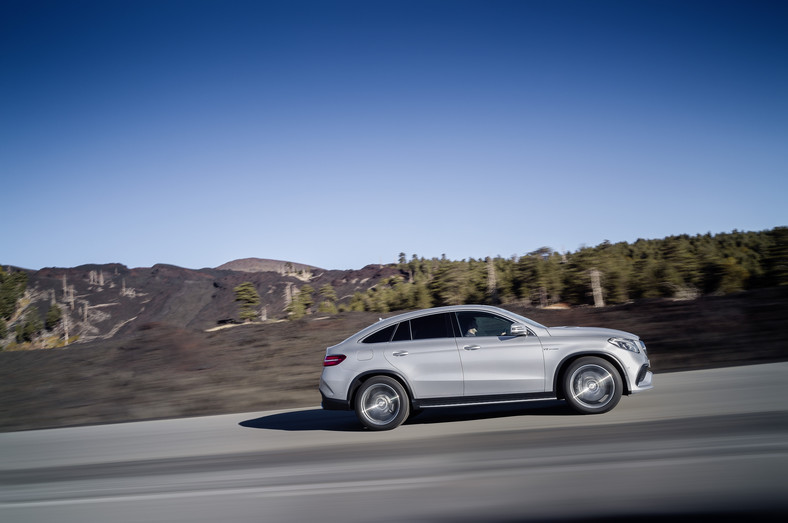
(495, 362)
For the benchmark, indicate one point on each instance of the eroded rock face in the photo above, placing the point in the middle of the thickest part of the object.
(102, 301)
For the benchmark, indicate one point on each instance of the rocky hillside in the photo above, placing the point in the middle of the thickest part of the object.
(103, 301)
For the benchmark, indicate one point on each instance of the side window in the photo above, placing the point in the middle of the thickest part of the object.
(478, 323)
(382, 336)
(432, 326)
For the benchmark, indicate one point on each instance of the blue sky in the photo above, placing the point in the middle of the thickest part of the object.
(338, 133)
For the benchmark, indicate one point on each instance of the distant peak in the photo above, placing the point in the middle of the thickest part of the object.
(266, 265)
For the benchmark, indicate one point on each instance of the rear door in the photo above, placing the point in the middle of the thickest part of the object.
(425, 351)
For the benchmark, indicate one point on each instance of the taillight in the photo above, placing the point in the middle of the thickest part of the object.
(333, 359)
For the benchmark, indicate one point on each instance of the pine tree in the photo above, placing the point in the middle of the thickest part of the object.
(305, 295)
(301, 302)
(329, 303)
(247, 295)
(53, 317)
(31, 326)
(12, 287)
(776, 259)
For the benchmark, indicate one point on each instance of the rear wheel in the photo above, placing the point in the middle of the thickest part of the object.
(592, 385)
(382, 403)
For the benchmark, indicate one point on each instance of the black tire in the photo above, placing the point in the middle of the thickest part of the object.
(592, 385)
(381, 403)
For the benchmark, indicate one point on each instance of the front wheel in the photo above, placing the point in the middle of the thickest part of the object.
(382, 403)
(592, 385)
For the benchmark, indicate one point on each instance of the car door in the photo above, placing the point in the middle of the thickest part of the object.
(494, 361)
(424, 350)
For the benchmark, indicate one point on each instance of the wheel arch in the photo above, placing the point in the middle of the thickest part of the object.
(364, 376)
(558, 378)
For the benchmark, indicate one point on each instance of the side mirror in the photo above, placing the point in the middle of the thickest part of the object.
(518, 329)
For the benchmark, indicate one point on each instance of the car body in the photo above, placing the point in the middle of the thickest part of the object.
(477, 354)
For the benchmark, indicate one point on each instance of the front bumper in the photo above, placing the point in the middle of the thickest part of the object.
(643, 381)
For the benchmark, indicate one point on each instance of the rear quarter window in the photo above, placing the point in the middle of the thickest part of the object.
(381, 336)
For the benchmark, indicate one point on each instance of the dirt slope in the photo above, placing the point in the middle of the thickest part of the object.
(161, 370)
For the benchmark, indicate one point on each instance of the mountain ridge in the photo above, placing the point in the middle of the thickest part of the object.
(100, 301)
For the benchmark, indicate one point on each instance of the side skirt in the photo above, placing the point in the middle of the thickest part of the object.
(480, 400)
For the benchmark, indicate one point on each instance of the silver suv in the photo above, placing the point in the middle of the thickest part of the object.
(476, 354)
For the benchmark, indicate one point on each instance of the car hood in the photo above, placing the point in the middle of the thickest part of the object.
(589, 331)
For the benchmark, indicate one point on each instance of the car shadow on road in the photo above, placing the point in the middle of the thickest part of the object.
(479, 412)
(307, 420)
(345, 421)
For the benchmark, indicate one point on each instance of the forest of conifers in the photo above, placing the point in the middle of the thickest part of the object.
(607, 274)
(677, 266)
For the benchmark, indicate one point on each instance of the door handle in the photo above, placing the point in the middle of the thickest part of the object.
(472, 347)
(400, 353)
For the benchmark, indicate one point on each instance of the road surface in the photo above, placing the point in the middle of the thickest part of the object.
(709, 444)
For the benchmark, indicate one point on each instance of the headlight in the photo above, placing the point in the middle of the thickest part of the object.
(626, 344)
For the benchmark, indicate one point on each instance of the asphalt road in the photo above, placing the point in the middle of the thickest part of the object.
(710, 445)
